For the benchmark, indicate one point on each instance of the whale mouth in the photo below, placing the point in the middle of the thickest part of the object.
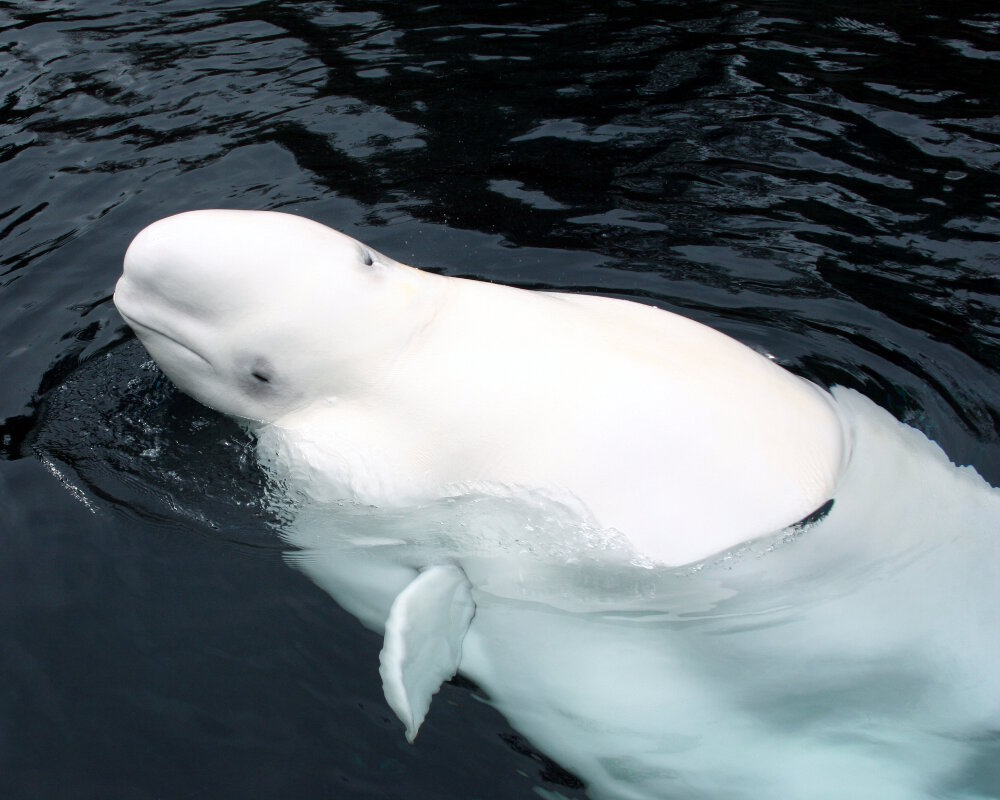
(142, 330)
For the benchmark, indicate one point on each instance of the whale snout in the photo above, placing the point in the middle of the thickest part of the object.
(162, 248)
(197, 265)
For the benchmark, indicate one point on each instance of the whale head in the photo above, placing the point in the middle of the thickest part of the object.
(258, 314)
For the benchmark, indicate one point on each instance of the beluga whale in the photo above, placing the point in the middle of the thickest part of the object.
(398, 383)
(663, 557)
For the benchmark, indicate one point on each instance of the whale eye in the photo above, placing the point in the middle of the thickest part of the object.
(259, 373)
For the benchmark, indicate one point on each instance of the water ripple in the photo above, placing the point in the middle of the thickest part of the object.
(712, 157)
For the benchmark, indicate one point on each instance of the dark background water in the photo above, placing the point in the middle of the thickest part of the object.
(819, 180)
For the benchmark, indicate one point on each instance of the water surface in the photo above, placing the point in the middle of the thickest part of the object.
(819, 181)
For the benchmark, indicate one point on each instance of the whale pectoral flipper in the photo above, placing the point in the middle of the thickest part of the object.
(423, 641)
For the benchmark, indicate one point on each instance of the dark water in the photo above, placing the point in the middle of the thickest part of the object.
(819, 180)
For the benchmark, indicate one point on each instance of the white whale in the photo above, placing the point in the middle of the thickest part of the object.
(403, 384)
(584, 505)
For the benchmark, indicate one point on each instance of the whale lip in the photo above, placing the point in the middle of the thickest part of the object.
(123, 296)
(141, 327)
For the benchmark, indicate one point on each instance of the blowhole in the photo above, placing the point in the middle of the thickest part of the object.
(366, 257)
(260, 376)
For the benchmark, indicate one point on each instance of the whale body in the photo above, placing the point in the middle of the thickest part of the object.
(592, 509)
(398, 384)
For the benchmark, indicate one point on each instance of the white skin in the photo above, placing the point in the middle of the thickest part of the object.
(397, 384)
